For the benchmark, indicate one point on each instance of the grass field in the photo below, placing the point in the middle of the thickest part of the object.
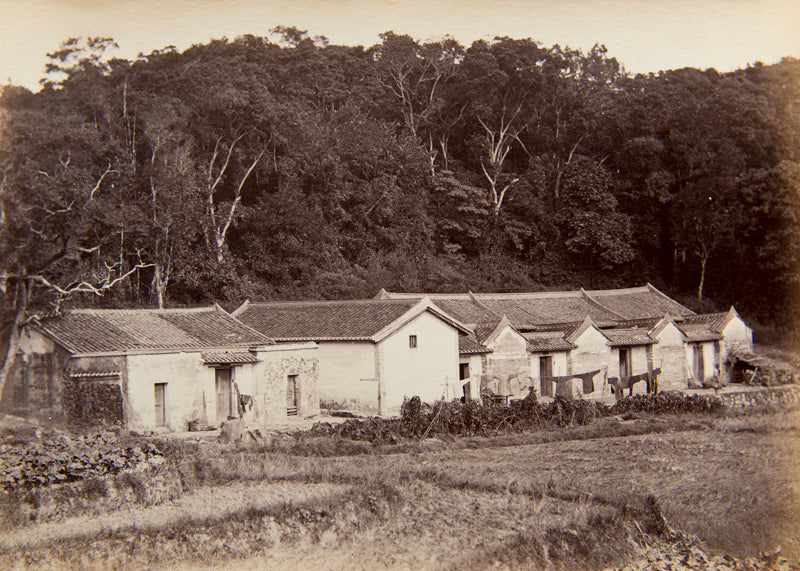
(573, 499)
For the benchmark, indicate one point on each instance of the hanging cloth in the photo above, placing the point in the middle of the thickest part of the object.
(588, 380)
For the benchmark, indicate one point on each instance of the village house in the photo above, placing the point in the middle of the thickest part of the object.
(631, 334)
(372, 353)
(158, 370)
(710, 338)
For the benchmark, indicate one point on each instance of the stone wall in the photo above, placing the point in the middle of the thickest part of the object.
(35, 385)
(277, 363)
(776, 395)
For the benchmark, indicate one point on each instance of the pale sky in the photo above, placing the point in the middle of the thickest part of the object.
(644, 35)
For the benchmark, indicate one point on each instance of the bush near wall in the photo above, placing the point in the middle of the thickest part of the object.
(419, 420)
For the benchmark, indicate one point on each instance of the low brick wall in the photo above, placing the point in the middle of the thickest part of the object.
(789, 394)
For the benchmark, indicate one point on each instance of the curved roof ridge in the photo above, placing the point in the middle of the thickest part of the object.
(395, 295)
(634, 289)
(593, 301)
(536, 294)
(483, 306)
(654, 289)
(367, 301)
(149, 310)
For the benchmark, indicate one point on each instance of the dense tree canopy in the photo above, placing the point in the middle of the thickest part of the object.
(292, 168)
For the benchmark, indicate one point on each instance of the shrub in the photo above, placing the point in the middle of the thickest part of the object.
(470, 418)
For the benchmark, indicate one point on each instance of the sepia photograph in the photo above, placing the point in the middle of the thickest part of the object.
(429, 285)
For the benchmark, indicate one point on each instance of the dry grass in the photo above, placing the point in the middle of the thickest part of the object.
(565, 499)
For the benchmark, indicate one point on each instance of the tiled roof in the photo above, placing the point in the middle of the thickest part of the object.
(529, 310)
(534, 310)
(713, 321)
(465, 310)
(638, 302)
(354, 320)
(483, 330)
(645, 322)
(77, 374)
(229, 357)
(698, 332)
(628, 337)
(542, 342)
(467, 344)
(108, 330)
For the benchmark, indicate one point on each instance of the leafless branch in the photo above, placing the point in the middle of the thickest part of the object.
(60, 210)
(100, 180)
(86, 287)
(224, 167)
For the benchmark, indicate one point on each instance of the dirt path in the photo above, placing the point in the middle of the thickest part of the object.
(202, 503)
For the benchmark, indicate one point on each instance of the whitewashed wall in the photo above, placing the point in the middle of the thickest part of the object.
(347, 375)
(423, 371)
(189, 392)
(509, 354)
(670, 354)
(268, 381)
(594, 353)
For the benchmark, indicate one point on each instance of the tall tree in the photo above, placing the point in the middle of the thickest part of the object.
(57, 191)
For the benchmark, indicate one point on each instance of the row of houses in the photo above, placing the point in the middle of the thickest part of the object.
(149, 369)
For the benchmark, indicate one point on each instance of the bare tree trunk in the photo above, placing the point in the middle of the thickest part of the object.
(158, 285)
(220, 233)
(703, 261)
(562, 169)
(20, 307)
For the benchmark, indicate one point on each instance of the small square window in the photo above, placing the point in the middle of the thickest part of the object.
(412, 341)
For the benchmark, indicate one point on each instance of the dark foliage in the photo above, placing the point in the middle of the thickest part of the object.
(60, 459)
(250, 169)
(667, 402)
(455, 418)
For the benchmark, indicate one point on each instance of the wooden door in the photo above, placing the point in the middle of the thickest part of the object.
(160, 404)
(546, 370)
(291, 395)
(223, 381)
(699, 363)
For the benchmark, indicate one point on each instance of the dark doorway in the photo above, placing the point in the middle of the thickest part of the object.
(624, 362)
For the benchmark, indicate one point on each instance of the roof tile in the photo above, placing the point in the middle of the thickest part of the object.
(628, 337)
(467, 344)
(107, 330)
(544, 342)
(353, 320)
(638, 302)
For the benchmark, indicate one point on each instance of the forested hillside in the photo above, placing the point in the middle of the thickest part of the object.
(290, 168)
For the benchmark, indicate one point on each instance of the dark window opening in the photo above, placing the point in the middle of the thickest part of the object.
(463, 371)
(412, 341)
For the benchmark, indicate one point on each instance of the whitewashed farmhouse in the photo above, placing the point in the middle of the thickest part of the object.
(158, 370)
(372, 353)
